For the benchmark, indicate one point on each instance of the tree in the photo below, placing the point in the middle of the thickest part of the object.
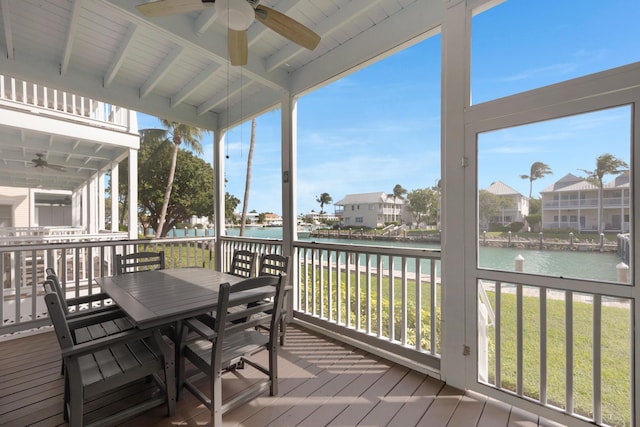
(192, 184)
(489, 206)
(247, 183)
(606, 164)
(398, 192)
(424, 204)
(177, 134)
(323, 199)
(231, 202)
(538, 170)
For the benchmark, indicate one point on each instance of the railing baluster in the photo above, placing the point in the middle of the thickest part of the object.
(418, 297)
(597, 359)
(498, 332)
(368, 296)
(543, 346)
(519, 342)
(569, 351)
(405, 311)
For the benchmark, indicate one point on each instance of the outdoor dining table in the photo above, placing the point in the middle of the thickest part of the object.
(160, 297)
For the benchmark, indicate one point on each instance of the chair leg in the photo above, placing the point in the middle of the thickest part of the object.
(76, 401)
(283, 329)
(169, 372)
(216, 399)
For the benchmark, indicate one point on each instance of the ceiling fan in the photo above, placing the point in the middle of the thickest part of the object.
(237, 16)
(40, 162)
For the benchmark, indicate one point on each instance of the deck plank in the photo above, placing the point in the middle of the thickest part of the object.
(321, 382)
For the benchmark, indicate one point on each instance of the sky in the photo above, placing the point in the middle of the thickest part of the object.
(381, 126)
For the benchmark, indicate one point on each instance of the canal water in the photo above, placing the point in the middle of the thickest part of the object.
(583, 265)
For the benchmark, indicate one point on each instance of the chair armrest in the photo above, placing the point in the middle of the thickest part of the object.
(90, 310)
(201, 329)
(87, 299)
(106, 342)
(91, 318)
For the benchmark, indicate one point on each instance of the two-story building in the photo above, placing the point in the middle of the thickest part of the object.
(372, 210)
(573, 202)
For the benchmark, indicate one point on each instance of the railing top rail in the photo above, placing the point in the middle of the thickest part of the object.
(258, 240)
(92, 240)
(373, 250)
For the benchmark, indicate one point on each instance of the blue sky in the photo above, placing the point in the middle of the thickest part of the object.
(381, 126)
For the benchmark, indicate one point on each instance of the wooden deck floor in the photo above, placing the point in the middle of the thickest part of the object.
(322, 383)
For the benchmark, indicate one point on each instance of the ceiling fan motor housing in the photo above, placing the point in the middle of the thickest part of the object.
(235, 14)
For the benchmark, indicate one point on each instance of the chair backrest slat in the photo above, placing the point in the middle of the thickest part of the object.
(273, 265)
(140, 261)
(243, 263)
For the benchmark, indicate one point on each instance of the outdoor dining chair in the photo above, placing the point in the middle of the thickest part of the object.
(214, 351)
(243, 263)
(105, 364)
(277, 265)
(139, 261)
(89, 316)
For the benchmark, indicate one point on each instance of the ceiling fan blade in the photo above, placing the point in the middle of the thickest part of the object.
(171, 7)
(56, 167)
(287, 27)
(238, 47)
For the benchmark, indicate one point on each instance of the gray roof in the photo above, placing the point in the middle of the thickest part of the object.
(570, 182)
(363, 198)
(499, 188)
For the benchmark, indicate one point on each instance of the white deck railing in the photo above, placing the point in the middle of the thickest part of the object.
(76, 263)
(61, 104)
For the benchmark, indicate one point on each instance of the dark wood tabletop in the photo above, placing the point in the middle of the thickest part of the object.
(158, 297)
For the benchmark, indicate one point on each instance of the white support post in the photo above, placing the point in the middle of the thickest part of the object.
(133, 193)
(115, 196)
(289, 155)
(219, 191)
(456, 231)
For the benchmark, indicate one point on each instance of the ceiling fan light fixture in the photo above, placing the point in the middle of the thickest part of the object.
(235, 14)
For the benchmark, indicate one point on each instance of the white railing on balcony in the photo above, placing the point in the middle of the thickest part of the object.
(566, 350)
(61, 104)
(388, 297)
(76, 263)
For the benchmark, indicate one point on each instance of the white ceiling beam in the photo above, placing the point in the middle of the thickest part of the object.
(193, 85)
(161, 71)
(120, 55)
(335, 22)
(71, 35)
(179, 29)
(6, 24)
(232, 89)
(205, 19)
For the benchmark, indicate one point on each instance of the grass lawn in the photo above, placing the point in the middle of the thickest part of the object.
(615, 353)
(615, 341)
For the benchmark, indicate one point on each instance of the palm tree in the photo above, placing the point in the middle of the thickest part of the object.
(323, 199)
(398, 192)
(245, 203)
(606, 164)
(538, 170)
(178, 134)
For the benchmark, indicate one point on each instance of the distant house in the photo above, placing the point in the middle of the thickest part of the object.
(516, 207)
(572, 202)
(272, 220)
(320, 218)
(372, 210)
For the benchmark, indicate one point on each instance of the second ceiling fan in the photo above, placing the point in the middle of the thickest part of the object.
(237, 16)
